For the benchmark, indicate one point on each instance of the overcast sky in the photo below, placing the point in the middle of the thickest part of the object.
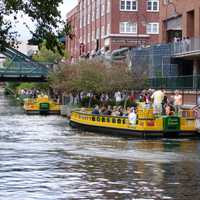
(64, 8)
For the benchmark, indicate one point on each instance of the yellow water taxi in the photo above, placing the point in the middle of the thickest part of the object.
(41, 105)
(147, 124)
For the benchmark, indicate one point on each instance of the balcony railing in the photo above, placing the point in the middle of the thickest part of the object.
(186, 46)
(176, 82)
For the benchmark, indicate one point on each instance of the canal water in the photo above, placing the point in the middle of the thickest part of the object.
(42, 158)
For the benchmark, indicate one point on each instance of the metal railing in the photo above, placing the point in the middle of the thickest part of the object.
(185, 46)
(175, 82)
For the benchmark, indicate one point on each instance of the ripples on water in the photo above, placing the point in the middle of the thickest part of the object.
(42, 158)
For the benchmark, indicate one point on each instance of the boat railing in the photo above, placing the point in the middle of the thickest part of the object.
(28, 101)
(188, 113)
(196, 110)
(101, 118)
(145, 113)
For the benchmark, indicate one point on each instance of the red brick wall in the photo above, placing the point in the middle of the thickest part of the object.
(114, 17)
(182, 7)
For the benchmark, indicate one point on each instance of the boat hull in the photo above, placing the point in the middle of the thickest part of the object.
(133, 133)
(39, 112)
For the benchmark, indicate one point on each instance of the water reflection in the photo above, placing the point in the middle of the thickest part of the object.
(43, 158)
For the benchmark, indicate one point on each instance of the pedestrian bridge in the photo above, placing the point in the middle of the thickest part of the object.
(21, 67)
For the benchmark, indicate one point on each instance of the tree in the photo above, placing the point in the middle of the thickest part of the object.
(47, 55)
(95, 76)
(44, 14)
(64, 78)
(91, 76)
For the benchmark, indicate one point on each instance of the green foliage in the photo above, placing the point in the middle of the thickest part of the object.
(46, 55)
(94, 76)
(26, 86)
(44, 13)
(87, 101)
(17, 86)
(12, 85)
(91, 76)
(39, 86)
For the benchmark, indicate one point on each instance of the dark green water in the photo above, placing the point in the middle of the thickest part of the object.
(42, 158)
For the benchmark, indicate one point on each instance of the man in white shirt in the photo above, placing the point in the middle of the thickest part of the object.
(118, 97)
(157, 97)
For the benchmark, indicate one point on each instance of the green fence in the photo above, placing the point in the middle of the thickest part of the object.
(175, 82)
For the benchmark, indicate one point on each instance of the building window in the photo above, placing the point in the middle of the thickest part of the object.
(88, 38)
(153, 28)
(108, 6)
(128, 27)
(97, 12)
(97, 33)
(89, 10)
(93, 12)
(108, 29)
(103, 8)
(153, 5)
(102, 32)
(97, 9)
(128, 5)
(84, 13)
(122, 6)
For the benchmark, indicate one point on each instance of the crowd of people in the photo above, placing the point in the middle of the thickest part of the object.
(162, 104)
(182, 44)
(117, 111)
(156, 99)
(30, 93)
(102, 98)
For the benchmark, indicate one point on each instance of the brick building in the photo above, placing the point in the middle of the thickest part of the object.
(179, 18)
(180, 24)
(112, 24)
(73, 44)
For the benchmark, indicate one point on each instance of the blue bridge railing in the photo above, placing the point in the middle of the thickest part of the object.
(21, 67)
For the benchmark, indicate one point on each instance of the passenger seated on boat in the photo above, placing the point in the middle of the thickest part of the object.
(102, 110)
(83, 110)
(96, 110)
(165, 102)
(108, 111)
(126, 112)
(169, 110)
(132, 117)
(115, 111)
(120, 109)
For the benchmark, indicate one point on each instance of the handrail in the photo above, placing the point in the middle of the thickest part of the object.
(186, 45)
(175, 82)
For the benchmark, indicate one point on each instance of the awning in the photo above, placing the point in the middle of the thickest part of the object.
(174, 24)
